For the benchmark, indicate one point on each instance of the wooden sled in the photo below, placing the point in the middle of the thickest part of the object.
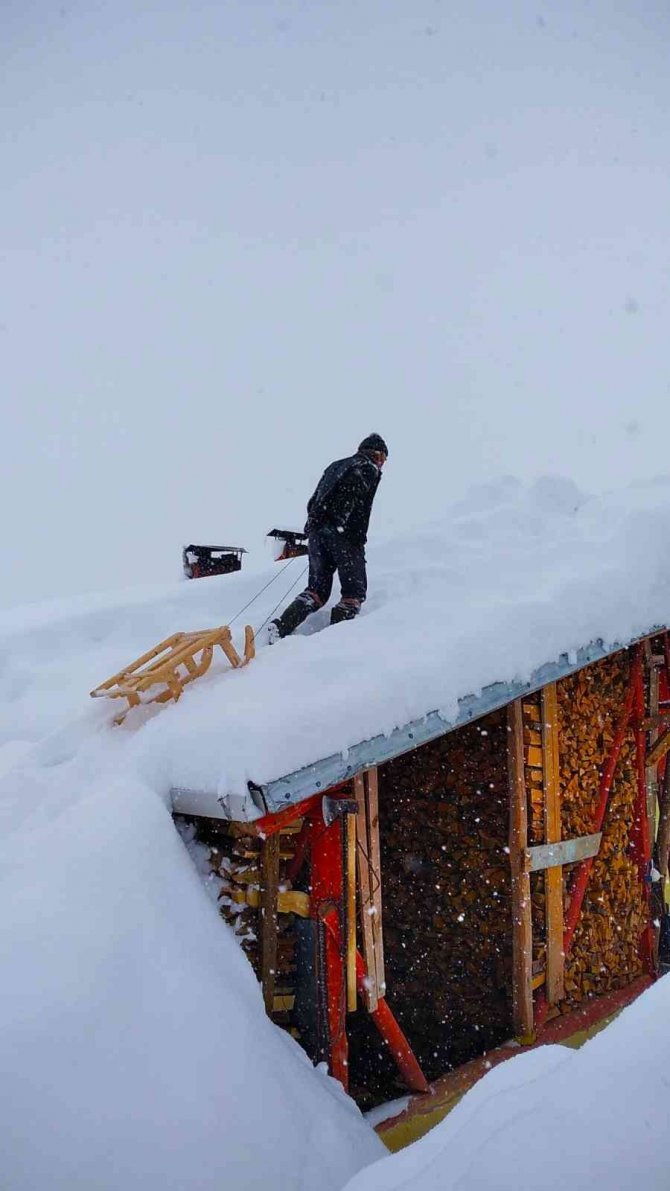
(170, 666)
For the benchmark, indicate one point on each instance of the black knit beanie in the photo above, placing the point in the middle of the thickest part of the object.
(374, 442)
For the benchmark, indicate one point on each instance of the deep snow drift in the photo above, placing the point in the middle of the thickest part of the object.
(555, 1118)
(134, 1048)
(133, 1044)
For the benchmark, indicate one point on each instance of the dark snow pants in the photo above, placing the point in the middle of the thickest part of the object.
(329, 551)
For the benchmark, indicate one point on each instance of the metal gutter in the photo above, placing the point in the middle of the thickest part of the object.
(340, 767)
(276, 795)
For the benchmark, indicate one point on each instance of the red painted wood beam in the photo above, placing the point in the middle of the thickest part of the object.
(271, 824)
(274, 822)
(385, 1022)
(327, 904)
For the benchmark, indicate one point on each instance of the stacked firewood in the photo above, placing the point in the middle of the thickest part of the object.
(235, 859)
(446, 892)
(605, 950)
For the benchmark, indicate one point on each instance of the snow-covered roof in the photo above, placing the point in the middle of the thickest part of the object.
(511, 587)
(281, 792)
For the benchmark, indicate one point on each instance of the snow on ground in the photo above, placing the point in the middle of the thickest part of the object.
(133, 1045)
(134, 1048)
(554, 1118)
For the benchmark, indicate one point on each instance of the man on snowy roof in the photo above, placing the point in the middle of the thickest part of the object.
(338, 515)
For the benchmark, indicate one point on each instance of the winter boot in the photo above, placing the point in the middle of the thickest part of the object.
(268, 634)
(345, 610)
(302, 606)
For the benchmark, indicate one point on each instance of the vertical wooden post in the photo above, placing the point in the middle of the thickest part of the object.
(522, 930)
(553, 877)
(370, 884)
(269, 898)
(366, 906)
(376, 877)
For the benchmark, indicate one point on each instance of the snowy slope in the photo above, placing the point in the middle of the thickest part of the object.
(133, 1043)
(134, 1048)
(555, 1118)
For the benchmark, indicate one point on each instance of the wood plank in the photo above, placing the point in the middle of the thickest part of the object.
(567, 851)
(365, 898)
(555, 961)
(376, 876)
(290, 902)
(522, 931)
(659, 720)
(659, 750)
(268, 925)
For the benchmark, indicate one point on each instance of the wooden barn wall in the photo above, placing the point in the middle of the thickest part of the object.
(605, 950)
(446, 893)
(446, 888)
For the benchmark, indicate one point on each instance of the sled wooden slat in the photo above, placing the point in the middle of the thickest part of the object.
(171, 665)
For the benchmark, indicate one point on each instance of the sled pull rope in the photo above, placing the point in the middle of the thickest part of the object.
(259, 593)
(286, 593)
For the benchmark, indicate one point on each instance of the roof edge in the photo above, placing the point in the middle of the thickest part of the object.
(321, 775)
(276, 795)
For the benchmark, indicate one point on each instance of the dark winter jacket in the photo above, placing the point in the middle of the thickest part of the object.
(344, 496)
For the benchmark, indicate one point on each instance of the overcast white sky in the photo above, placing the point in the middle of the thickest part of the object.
(237, 236)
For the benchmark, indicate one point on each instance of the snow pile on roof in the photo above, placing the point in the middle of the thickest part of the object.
(509, 579)
(554, 1118)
